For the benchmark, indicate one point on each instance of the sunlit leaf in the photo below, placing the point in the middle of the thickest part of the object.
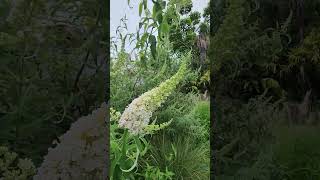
(140, 8)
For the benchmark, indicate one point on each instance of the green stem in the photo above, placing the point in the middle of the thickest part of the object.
(124, 141)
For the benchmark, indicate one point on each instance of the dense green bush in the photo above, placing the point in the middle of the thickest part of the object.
(52, 70)
(14, 168)
(267, 49)
(296, 152)
(182, 148)
(183, 156)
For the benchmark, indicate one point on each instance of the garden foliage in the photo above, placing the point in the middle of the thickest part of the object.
(264, 57)
(157, 111)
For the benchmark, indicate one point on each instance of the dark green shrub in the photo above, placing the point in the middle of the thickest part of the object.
(14, 168)
(297, 152)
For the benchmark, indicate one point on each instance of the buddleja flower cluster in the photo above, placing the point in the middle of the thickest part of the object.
(82, 151)
(137, 115)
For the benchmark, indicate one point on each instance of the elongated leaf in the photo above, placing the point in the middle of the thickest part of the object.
(140, 8)
(145, 4)
(153, 45)
(159, 17)
(144, 38)
(134, 164)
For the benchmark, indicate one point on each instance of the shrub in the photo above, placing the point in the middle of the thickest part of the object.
(183, 156)
(14, 168)
(297, 152)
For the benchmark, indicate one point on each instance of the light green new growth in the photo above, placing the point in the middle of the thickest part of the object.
(137, 115)
(114, 115)
(151, 128)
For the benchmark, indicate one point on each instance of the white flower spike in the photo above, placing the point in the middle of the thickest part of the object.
(137, 115)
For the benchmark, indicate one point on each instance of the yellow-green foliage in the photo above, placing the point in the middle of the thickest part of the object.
(12, 168)
(206, 77)
(114, 115)
(150, 129)
(309, 51)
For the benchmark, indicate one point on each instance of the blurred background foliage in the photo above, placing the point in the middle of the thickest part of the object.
(264, 58)
(53, 69)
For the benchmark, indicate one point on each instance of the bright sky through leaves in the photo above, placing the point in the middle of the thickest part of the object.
(120, 8)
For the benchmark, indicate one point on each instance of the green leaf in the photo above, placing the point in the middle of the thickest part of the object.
(138, 143)
(140, 8)
(143, 59)
(144, 38)
(153, 45)
(159, 17)
(270, 83)
(164, 4)
(145, 3)
(165, 28)
(134, 164)
(157, 12)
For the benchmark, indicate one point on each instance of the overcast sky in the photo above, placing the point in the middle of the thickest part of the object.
(120, 8)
